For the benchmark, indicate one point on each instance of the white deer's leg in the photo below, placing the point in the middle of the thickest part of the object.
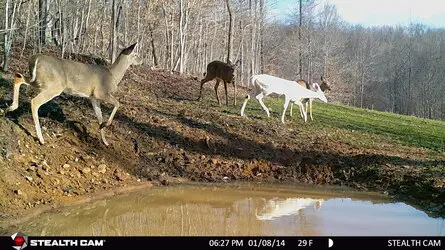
(245, 103)
(286, 103)
(290, 111)
(302, 109)
(259, 97)
(38, 101)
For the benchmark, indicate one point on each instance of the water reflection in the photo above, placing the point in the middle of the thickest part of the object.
(276, 208)
(238, 211)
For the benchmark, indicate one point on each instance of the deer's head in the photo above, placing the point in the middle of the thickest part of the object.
(325, 84)
(132, 55)
(320, 92)
(233, 67)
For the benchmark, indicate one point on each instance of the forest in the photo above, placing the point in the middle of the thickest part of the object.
(396, 69)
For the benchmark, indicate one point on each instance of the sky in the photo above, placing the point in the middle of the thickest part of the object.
(376, 12)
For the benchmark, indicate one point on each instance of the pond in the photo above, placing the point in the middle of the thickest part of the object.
(238, 210)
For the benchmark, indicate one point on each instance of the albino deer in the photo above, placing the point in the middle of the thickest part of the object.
(325, 85)
(221, 71)
(264, 85)
(53, 76)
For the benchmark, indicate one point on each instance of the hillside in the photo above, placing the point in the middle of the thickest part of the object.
(161, 135)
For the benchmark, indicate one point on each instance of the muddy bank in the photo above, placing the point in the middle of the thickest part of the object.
(163, 136)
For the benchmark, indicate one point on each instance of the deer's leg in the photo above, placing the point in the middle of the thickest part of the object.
(310, 109)
(245, 103)
(113, 101)
(234, 93)
(96, 107)
(15, 97)
(290, 110)
(216, 91)
(227, 97)
(302, 110)
(286, 103)
(259, 97)
(42, 98)
(202, 84)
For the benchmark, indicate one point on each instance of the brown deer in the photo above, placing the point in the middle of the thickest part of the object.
(221, 71)
(53, 76)
(325, 85)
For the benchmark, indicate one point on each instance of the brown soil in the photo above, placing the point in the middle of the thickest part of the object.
(163, 136)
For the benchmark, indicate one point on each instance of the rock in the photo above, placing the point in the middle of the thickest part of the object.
(18, 192)
(214, 161)
(29, 178)
(62, 172)
(66, 166)
(40, 173)
(120, 176)
(86, 170)
(31, 168)
(102, 168)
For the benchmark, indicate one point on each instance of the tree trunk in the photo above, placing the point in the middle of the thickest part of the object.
(230, 35)
(6, 37)
(26, 29)
(113, 37)
(262, 14)
(300, 66)
(153, 47)
(9, 31)
(42, 21)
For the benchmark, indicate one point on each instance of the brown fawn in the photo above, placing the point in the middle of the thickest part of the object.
(325, 85)
(221, 71)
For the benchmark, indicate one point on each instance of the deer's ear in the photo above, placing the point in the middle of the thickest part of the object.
(238, 62)
(316, 86)
(130, 49)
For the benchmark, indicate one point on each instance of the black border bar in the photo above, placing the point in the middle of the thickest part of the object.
(218, 242)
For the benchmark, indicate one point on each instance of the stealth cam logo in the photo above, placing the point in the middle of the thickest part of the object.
(20, 241)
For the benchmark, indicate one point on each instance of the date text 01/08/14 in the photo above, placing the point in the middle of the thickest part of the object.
(250, 243)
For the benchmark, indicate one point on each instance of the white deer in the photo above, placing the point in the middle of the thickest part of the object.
(264, 85)
(54, 76)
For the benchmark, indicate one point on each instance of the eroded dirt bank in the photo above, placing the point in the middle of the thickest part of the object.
(161, 135)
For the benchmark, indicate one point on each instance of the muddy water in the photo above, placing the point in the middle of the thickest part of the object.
(238, 210)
